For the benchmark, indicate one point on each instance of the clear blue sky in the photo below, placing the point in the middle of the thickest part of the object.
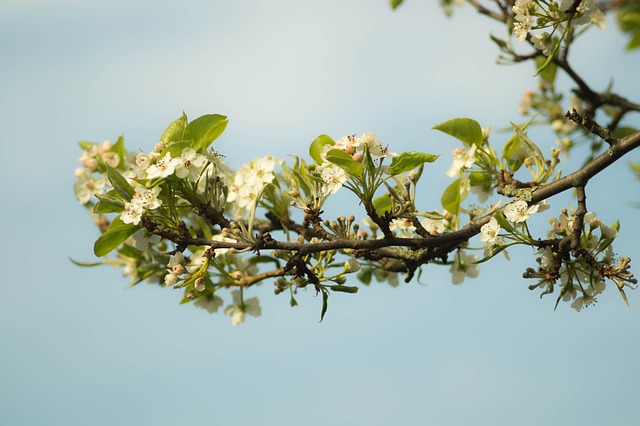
(79, 348)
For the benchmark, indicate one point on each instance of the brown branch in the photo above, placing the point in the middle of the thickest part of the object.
(433, 247)
(488, 12)
(591, 125)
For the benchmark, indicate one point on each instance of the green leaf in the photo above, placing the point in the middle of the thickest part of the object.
(480, 178)
(501, 43)
(624, 131)
(434, 215)
(549, 73)
(344, 288)
(450, 199)
(546, 63)
(108, 204)
(175, 131)
(176, 148)
(315, 149)
(130, 251)
(634, 41)
(117, 234)
(118, 148)
(395, 3)
(511, 147)
(503, 222)
(409, 161)
(494, 251)
(325, 305)
(344, 161)
(120, 184)
(85, 145)
(365, 275)
(630, 20)
(463, 129)
(204, 130)
(86, 264)
(382, 204)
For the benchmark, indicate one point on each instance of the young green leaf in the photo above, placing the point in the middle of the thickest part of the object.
(511, 147)
(118, 148)
(395, 3)
(175, 149)
(86, 264)
(108, 204)
(549, 73)
(315, 149)
(344, 288)
(325, 304)
(117, 234)
(549, 60)
(503, 222)
(85, 145)
(463, 129)
(409, 161)
(175, 130)
(344, 161)
(120, 184)
(204, 130)
(451, 199)
(382, 204)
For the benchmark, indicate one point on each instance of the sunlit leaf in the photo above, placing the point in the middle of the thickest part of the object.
(175, 130)
(117, 234)
(409, 161)
(315, 149)
(204, 130)
(451, 199)
(120, 184)
(463, 129)
(344, 161)
(395, 3)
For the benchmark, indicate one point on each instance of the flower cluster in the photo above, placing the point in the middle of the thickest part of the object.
(250, 180)
(583, 277)
(533, 14)
(334, 176)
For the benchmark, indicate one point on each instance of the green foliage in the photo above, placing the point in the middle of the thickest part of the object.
(451, 197)
(120, 184)
(395, 3)
(344, 161)
(315, 150)
(175, 131)
(629, 22)
(117, 234)
(408, 161)
(204, 130)
(463, 129)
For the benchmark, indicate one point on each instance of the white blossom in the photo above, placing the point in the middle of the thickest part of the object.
(210, 303)
(543, 42)
(464, 266)
(239, 309)
(489, 231)
(190, 165)
(433, 226)
(163, 167)
(461, 159)
(132, 211)
(333, 177)
(519, 211)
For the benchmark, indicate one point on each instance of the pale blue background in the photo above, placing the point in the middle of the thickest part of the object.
(79, 349)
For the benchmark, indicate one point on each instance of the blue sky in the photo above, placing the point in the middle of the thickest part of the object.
(80, 348)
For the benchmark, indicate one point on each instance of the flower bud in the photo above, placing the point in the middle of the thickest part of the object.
(351, 265)
(200, 284)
